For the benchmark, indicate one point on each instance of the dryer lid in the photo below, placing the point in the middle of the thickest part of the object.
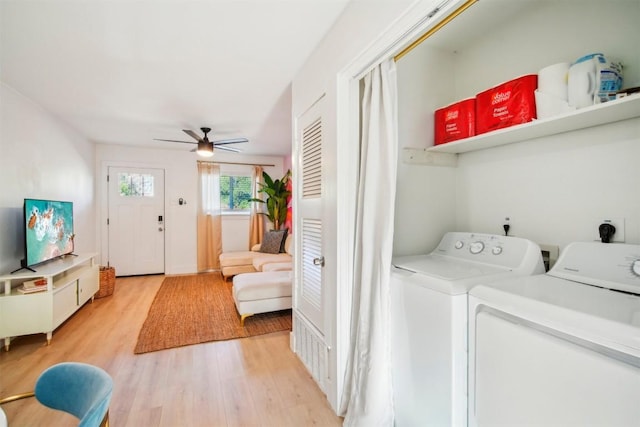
(594, 314)
(607, 265)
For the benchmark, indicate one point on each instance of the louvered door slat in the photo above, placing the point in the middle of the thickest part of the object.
(311, 273)
(312, 160)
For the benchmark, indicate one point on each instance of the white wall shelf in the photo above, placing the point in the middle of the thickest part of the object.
(421, 156)
(71, 282)
(596, 115)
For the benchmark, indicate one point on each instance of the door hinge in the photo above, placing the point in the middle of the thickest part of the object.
(107, 221)
(107, 178)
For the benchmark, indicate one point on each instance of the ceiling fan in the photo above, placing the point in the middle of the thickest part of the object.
(205, 147)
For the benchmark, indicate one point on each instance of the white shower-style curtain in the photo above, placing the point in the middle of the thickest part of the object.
(367, 398)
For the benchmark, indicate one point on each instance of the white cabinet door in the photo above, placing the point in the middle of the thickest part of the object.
(88, 284)
(65, 302)
(25, 314)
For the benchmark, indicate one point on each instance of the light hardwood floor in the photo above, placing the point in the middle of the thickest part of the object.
(254, 381)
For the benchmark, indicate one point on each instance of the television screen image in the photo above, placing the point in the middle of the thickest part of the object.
(48, 230)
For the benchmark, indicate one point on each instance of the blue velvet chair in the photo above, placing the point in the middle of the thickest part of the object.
(76, 388)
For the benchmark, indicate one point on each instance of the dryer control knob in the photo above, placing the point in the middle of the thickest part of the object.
(476, 247)
(635, 267)
(497, 250)
(459, 244)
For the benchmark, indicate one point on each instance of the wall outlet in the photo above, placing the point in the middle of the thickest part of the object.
(506, 225)
(618, 223)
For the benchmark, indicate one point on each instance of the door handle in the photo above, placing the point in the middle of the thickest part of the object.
(159, 228)
(319, 261)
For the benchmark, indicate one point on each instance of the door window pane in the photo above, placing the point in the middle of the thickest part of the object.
(135, 184)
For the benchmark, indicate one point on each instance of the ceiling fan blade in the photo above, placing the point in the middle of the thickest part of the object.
(173, 140)
(230, 141)
(192, 134)
(233, 150)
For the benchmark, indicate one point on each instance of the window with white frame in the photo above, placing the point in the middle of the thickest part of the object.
(235, 192)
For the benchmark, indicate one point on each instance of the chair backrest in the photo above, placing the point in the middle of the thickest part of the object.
(76, 388)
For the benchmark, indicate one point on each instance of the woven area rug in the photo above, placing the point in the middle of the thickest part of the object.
(199, 308)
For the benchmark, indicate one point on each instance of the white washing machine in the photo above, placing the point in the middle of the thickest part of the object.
(559, 349)
(429, 321)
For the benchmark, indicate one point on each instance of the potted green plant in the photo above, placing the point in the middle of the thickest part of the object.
(277, 196)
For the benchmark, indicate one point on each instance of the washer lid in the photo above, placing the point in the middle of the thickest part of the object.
(600, 315)
(445, 267)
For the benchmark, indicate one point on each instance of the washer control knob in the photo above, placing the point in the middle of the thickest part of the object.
(476, 247)
(496, 250)
(635, 267)
(459, 244)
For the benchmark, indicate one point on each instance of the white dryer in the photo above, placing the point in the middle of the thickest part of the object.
(559, 349)
(429, 321)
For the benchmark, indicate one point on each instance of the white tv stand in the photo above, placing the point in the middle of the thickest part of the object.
(71, 282)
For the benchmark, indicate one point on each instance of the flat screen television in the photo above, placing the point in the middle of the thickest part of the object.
(48, 230)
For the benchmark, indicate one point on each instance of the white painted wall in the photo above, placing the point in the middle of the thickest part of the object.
(553, 189)
(426, 195)
(235, 233)
(41, 157)
(180, 182)
(545, 33)
(361, 23)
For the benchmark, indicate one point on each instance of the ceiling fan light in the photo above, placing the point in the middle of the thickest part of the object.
(205, 149)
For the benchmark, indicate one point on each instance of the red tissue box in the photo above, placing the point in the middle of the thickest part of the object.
(508, 104)
(455, 121)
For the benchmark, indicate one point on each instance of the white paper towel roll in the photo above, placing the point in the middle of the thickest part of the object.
(549, 105)
(553, 80)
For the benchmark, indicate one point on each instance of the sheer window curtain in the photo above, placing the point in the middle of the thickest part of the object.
(256, 220)
(367, 396)
(209, 219)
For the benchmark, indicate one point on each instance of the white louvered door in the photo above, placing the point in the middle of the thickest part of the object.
(310, 288)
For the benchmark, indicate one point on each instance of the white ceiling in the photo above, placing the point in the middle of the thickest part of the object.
(129, 71)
